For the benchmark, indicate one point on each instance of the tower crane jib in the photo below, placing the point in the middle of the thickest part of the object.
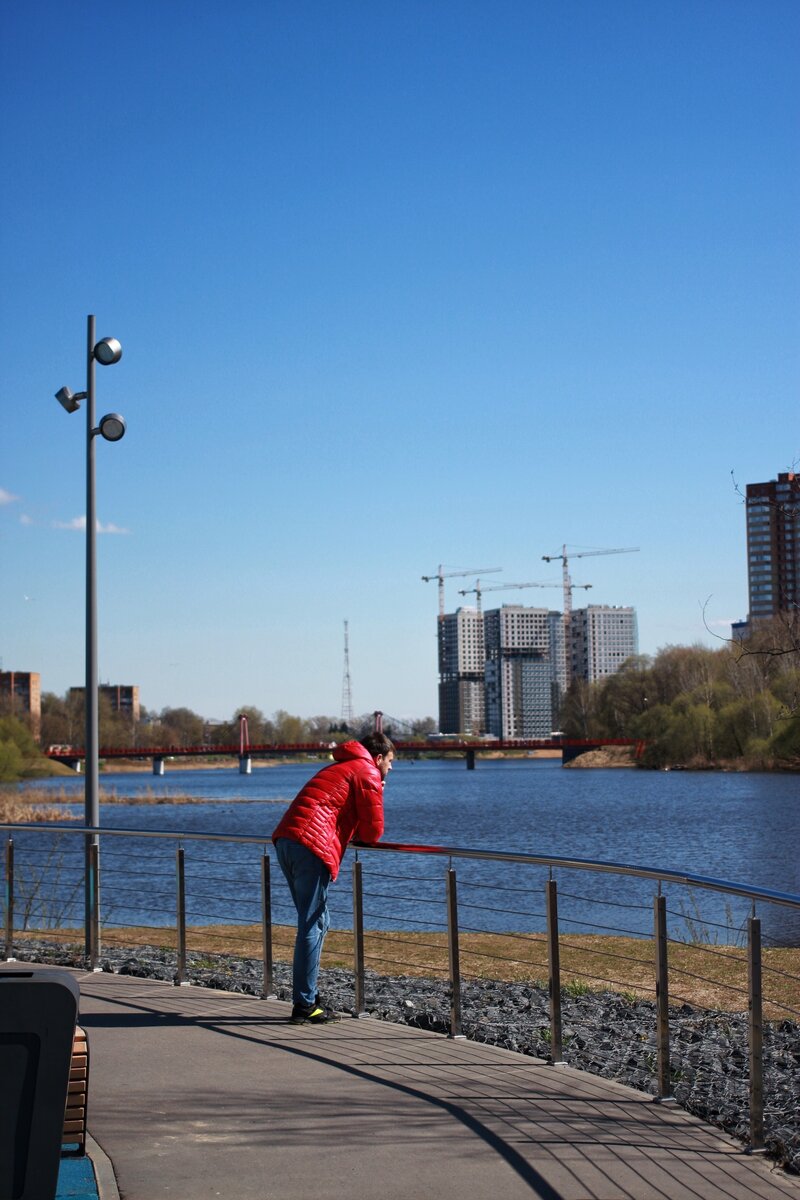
(441, 575)
(564, 557)
(567, 584)
(478, 591)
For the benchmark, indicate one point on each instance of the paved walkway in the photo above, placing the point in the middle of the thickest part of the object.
(195, 1093)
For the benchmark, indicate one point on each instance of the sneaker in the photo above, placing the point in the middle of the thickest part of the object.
(313, 1014)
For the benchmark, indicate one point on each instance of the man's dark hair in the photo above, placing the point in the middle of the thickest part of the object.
(376, 743)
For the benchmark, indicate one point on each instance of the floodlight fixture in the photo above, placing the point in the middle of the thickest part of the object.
(70, 400)
(107, 352)
(111, 427)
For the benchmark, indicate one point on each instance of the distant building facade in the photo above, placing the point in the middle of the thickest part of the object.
(525, 672)
(602, 637)
(773, 546)
(461, 660)
(504, 672)
(21, 696)
(123, 697)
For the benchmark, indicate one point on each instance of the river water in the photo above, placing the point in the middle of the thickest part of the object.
(744, 828)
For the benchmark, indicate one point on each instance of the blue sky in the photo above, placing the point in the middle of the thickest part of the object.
(398, 284)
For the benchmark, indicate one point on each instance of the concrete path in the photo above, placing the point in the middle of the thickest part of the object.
(195, 1093)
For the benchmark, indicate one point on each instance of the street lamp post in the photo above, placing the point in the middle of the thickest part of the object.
(112, 427)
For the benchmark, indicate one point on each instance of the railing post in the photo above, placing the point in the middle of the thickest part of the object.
(455, 965)
(662, 996)
(358, 938)
(267, 986)
(94, 887)
(554, 963)
(9, 899)
(756, 1035)
(180, 973)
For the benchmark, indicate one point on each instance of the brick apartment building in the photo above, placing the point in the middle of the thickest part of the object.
(21, 696)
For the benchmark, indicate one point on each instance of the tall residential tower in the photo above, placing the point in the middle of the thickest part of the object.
(773, 546)
(525, 671)
(603, 636)
(461, 659)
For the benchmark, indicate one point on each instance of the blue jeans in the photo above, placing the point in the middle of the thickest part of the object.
(308, 880)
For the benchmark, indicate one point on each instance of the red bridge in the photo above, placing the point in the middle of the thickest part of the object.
(245, 752)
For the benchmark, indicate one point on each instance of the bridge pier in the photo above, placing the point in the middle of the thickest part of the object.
(245, 764)
(158, 766)
(470, 756)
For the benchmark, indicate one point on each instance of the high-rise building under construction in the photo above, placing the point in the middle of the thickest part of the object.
(525, 671)
(602, 637)
(504, 672)
(461, 659)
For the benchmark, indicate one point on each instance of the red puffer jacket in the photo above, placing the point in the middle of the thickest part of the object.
(342, 801)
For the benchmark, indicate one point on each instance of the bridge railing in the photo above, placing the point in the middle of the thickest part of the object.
(456, 914)
(444, 744)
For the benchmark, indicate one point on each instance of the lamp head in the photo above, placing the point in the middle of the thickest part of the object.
(69, 400)
(107, 352)
(112, 427)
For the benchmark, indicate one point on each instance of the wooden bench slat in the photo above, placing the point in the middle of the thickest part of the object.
(74, 1131)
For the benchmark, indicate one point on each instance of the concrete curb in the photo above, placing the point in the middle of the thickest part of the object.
(103, 1170)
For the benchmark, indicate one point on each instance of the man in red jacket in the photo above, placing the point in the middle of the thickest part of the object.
(343, 801)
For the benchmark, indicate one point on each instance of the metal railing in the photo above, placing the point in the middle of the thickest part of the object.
(441, 916)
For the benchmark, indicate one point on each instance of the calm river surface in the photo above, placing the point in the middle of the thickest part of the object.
(743, 828)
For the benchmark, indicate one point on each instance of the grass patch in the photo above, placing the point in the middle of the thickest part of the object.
(705, 977)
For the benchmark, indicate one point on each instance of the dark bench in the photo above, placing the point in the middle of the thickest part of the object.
(38, 1016)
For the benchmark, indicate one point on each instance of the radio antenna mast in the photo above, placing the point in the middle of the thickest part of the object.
(347, 691)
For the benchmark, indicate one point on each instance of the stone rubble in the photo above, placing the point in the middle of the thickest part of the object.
(603, 1032)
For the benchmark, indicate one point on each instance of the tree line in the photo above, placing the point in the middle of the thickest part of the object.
(63, 723)
(695, 706)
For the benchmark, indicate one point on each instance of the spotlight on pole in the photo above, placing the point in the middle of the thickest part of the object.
(108, 351)
(70, 400)
(111, 428)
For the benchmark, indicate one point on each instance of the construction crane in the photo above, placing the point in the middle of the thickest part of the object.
(441, 575)
(566, 581)
(502, 587)
(567, 586)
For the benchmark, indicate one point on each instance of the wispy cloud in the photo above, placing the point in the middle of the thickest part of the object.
(78, 525)
(26, 520)
(7, 497)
